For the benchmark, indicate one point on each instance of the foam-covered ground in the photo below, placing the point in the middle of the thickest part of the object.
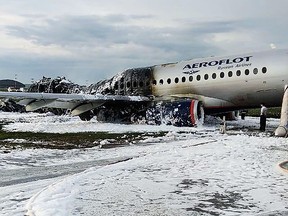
(189, 171)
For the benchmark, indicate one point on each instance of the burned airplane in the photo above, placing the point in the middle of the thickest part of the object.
(177, 93)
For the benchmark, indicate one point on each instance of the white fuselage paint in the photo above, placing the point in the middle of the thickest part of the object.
(233, 92)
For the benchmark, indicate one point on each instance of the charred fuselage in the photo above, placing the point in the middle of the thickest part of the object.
(131, 82)
(136, 81)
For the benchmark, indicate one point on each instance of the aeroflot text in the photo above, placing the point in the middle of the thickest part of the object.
(220, 62)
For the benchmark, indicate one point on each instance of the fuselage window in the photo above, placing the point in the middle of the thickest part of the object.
(230, 74)
(264, 70)
(122, 86)
(147, 83)
(183, 79)
(141, 84)
(122, 79)
(222, 74)
(206, 76)
(161, 82)
(214, 75)
(198, 77)
(154, 82)
(128, 84)
(134, 84)
(190, 78)
(176, 80)
(255, 70)
(238, 72)
(247, 72)
(168, 80)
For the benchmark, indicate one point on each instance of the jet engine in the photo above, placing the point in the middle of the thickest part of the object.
(178, 113)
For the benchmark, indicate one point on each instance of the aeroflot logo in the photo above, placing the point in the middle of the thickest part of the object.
(223, 64)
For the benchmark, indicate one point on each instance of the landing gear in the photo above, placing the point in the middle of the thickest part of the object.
(282, 130)
(223, 125)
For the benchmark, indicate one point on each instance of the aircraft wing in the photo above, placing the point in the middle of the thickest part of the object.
(77, 103)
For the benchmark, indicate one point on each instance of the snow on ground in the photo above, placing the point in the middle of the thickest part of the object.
(189, 171)
(48, 123)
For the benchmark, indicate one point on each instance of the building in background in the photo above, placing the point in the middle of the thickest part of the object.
(11, 85)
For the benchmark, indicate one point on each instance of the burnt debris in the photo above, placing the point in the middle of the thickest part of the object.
(57, 85)
(46, 85)
(135, 81)
(8, 105)
(131, 82)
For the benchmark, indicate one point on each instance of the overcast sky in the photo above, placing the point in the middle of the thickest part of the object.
(89, 40)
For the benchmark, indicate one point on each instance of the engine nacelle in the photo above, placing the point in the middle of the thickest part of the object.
(178, 113)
